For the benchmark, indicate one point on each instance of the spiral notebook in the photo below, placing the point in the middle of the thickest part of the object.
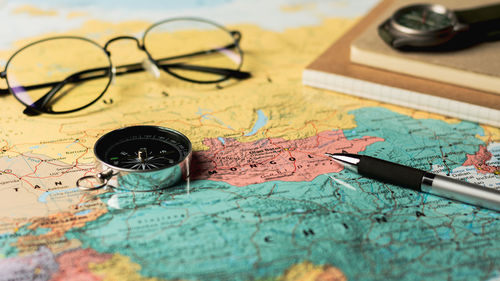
(334, 70)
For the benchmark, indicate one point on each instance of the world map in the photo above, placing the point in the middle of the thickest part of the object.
(263, 203)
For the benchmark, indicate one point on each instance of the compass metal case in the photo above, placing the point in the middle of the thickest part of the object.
(143, 158)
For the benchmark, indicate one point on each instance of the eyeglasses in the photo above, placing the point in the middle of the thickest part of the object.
(68, 73)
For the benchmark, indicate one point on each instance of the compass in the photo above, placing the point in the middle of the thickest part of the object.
(143, 158)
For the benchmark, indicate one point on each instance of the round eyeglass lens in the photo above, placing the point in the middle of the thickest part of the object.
(193, 49)
(60, 74)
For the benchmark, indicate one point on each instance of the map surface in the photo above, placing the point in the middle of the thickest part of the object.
(264, 203)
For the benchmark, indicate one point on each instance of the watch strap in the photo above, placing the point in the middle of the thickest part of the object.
(482, 18)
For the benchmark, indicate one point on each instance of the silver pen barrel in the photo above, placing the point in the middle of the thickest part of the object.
(420, 180)
(461, 191)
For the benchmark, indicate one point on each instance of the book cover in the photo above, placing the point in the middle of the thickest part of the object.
(334, 70)
(476, 67)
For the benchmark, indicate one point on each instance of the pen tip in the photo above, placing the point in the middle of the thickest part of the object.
(333, 154)
(344, 156)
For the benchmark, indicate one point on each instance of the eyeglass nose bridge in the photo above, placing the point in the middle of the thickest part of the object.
(146, 65)
(139, 45)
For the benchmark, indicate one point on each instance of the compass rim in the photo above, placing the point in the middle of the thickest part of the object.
(104, 138)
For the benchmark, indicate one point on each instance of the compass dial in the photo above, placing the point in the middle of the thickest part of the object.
(143, 154)
(142, 148)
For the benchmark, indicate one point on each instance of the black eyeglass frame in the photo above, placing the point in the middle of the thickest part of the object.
(111, 71)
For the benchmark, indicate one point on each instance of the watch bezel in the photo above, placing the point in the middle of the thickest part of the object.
(436, 8)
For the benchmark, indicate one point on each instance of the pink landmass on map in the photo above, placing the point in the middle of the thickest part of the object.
(74, 265)
(240, 164)
(479, 159)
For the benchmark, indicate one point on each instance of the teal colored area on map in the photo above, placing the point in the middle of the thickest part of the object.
(369, 230)
(215, 221)
(413, 142)
(7, 243)
(220, 232)
(8, 240)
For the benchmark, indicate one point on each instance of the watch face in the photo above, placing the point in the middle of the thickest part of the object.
(423, 19)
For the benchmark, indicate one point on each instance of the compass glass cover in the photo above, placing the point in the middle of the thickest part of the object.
(142, 148)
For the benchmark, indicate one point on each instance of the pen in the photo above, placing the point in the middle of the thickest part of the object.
(419, 180)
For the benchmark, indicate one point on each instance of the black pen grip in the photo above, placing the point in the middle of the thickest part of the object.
(391, 172)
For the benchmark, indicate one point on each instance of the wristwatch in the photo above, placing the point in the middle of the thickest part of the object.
(430, 25)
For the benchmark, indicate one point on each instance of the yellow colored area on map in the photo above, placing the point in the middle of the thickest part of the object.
(297, 7)
(119, 268)
(46, 151)
(417, 114)
(307, 271)
(74, 14)
(34, 11)
(276, 61)
(491, 134)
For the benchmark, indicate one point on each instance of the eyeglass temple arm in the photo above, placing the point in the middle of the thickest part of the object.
(238, 74)
(236, 36)
(3, 91)
(215, 70)
(57, 86)
(77, 77)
